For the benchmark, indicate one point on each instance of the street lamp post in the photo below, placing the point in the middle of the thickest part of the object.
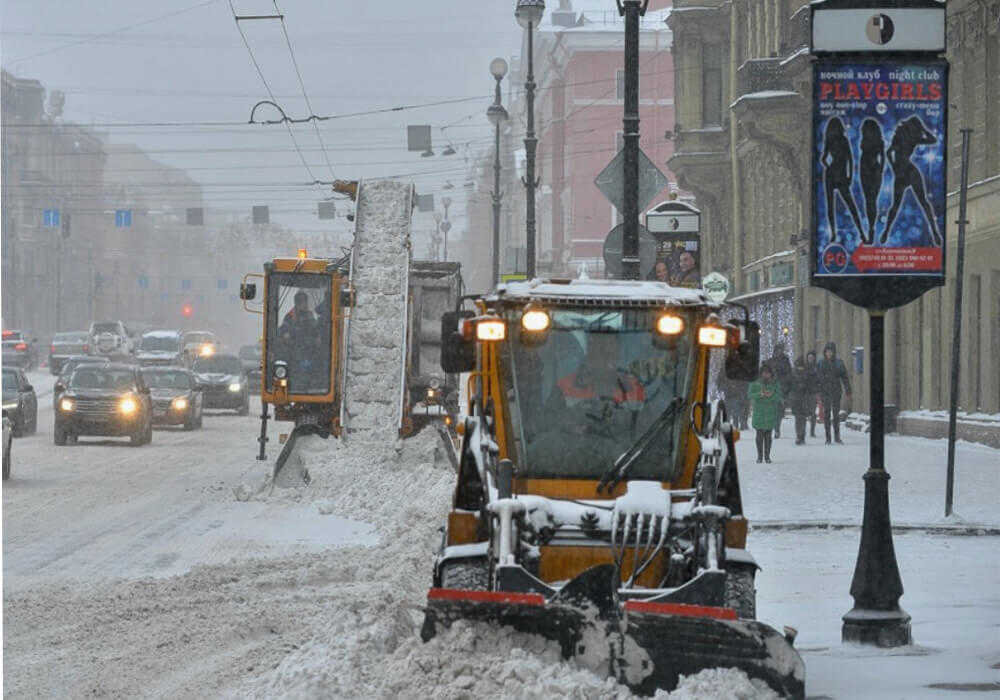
(529, 14)
(437, 235)
(497, 115)
(446, 225)
(632, 10)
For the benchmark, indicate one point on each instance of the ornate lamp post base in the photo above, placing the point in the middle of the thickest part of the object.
(880, 628)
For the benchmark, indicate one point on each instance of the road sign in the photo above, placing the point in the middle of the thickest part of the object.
(418, 137)
(327, 209)
(611, 180)
(613, 252)
(261, 214)
(838, 27)
(50, 218)
(123, 218)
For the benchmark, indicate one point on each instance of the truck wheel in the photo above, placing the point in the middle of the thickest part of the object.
(148, 440)
(466, 575)
(17, 429)
(59, 435)
(137, 438)
(741, 595)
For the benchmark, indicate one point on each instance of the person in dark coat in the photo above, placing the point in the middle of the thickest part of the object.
(768, 403)
(832, 378)
(735, 393)
(814, 380)
(802, 398)
(781, 368)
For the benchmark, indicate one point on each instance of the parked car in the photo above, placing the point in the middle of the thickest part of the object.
(19, 401)
(68, 365)
(110, 339)
(8, 441)
(65, 345)
(19, 350)
(176, 400)
(196, 344)
(221, 380)
(250, 358)
(109, 399)
(159, 348)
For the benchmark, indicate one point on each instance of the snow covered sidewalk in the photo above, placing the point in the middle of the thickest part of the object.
(821, 484)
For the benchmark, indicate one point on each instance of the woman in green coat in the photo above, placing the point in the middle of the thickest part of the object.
(767, 403)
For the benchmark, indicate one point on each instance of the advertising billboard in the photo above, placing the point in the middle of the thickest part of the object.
(879, 168)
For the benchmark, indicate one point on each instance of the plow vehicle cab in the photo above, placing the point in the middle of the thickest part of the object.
(304, 304)
(598, 500)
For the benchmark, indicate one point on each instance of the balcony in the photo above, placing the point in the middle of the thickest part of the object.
(763, 75)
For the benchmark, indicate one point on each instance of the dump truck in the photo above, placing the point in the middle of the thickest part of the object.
(434, 289)
(597, 500)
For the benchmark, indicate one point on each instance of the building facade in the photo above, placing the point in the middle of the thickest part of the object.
(743, 91)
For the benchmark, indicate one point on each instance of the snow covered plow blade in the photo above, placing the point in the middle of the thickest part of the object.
(645, 645)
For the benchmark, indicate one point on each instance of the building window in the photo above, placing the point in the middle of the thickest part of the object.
(782, 273)
(711, 85)
(620, 84)
(753, 280)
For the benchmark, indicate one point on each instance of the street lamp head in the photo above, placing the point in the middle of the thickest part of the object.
(438, 217)
(498, 68)
(446, 202)
(496, 114)
(529, 12)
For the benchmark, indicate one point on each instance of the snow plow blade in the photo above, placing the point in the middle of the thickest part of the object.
(289, 447)
(650, 645)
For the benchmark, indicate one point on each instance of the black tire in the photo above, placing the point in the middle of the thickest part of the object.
(191, 423)
(59, 435)
(6, 460)
(244, 410)
(149, 434)
(201, 420)
(137, 438)
(17, 427)
(466, 574)
(33, 426)
(741, 595)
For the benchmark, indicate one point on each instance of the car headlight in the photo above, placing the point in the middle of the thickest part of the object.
(67, 405)
(280, 370)
(207, 351)
(235, 386)
(180, 403)
(128, 406)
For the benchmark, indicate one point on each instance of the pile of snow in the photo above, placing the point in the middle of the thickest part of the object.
(366, 641)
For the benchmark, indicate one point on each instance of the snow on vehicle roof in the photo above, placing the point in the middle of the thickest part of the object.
(161, 334)
(636, 291)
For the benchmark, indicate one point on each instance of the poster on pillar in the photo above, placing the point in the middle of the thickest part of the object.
(879, 168)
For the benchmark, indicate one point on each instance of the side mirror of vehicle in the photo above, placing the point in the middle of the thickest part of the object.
(58, 387)
(248, 291)
(743, 359)
(457, 354)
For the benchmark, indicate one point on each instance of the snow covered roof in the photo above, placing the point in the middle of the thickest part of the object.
(161, 334)
(641, 292)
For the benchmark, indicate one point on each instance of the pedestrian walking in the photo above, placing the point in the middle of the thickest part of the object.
(766, 401)
(737, 406)
(812, 371)
(802, 398)
(781, 367)
(833, 384)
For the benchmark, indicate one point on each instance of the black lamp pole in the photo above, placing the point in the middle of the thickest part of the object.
(632, 10)
(497, 115)
(529, 14)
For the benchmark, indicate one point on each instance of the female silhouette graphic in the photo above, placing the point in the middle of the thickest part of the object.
(838, 164)
(909, 134)
(872, 168)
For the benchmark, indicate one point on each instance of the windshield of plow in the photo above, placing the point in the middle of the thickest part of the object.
(585, 390)
(298, 330)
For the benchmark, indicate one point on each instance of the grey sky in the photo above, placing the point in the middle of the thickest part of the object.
(193, 66)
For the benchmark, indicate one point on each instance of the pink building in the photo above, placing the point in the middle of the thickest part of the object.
(579, 59)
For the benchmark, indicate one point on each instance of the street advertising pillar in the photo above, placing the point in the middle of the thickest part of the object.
(879, 161)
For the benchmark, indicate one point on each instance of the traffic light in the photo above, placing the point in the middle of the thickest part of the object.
(187, 310)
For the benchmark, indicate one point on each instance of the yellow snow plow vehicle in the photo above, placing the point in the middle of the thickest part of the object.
(305, 303)
(598, 498)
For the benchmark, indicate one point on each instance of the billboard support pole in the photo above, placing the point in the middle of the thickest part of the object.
(876, 588)
(956, 346)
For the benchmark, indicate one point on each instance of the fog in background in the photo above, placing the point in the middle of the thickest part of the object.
(122, 62)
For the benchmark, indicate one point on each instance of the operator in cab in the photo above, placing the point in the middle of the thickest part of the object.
(299, 336)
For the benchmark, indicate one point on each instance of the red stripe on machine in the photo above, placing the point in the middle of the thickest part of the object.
(485, 596)
(682, 609)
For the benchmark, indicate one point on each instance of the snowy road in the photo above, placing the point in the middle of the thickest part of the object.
(136, 572)
(105, 509)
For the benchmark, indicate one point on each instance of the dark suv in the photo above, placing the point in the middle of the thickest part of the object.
(159, 348)
(222, 381)
(66, 345)
(19, 402)
(105, 400)
(20, 350)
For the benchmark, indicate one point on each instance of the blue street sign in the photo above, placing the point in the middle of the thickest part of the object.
(50, 218)
(123, 218)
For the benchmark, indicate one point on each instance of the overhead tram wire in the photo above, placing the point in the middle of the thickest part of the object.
(270, 92)
(305, 96)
